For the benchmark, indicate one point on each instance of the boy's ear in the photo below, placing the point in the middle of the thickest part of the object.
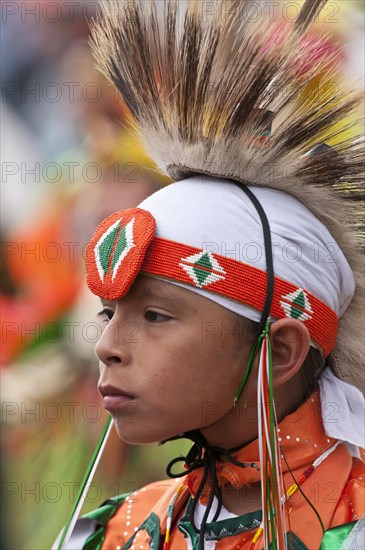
(290, 341)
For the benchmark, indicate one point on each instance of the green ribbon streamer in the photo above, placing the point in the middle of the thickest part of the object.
(255, 349)
(85, 480)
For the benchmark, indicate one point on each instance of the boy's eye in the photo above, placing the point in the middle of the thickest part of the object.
(106, 314)
(155, 317)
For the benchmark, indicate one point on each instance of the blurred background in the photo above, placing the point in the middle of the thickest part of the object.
(68, 160)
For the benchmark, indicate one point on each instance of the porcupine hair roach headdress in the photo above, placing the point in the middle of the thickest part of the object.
(197, 83)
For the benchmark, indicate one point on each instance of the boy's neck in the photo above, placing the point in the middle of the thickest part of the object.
(239, 425)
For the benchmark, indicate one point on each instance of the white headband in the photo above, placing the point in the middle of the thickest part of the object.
(216, 216)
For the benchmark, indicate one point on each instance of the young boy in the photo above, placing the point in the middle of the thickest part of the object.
(241, 282)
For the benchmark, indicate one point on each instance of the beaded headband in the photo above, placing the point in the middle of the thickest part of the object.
(124, 246)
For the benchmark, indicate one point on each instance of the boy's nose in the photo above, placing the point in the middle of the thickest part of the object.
(112, 349)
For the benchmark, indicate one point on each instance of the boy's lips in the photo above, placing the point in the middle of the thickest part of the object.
(114, 398)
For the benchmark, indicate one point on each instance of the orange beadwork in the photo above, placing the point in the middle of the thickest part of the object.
(124, 246)
(242, 283)
(116, 251)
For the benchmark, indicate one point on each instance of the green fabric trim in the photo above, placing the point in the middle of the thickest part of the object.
(153, 529)
(217, 530)
(95, 541)
(188, 531)
(334, 538)
(152, 526)
(101, 516)
(185, 527)
(233, 526)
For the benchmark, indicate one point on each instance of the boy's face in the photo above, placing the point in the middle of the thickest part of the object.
(178, 356)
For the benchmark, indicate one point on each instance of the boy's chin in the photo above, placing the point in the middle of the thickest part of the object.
(134, 435)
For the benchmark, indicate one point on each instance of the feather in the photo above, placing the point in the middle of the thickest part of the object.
(198, 83)
(308, 14)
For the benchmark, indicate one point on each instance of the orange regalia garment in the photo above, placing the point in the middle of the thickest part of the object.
(336, 490)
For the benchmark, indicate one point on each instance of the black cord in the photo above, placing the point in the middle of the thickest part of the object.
(268, 255)
(196, 457)
(203, 455)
